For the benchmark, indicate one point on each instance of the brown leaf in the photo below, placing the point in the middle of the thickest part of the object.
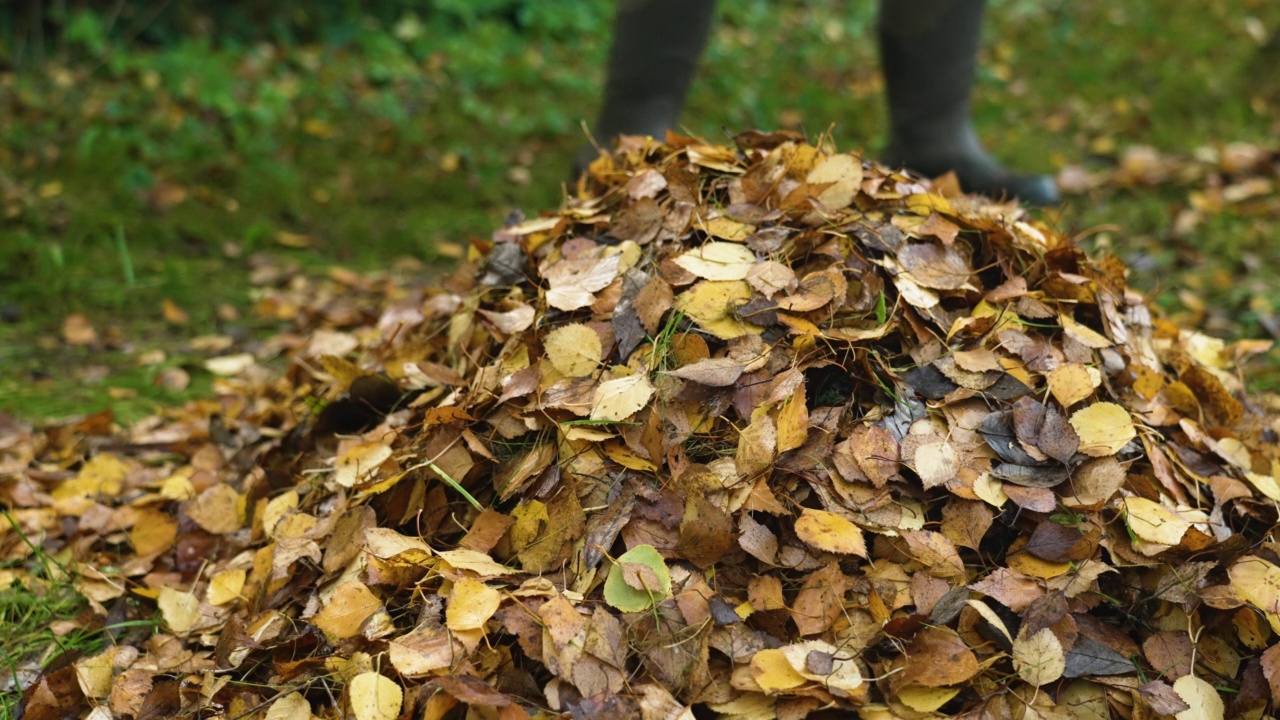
(965, 522)
(938, 657)
(820, 600)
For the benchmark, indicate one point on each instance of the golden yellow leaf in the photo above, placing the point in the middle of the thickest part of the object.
(472, 561)
(360, 463)
(1083, 334)
(773, 672)
(277, 508)
(1257, 582)
(94, 673)
(154, 531)
(757, 444)
(822, 662)
(574, 350)
(179, 609)
(830, 532)
(1104, 428)
(352, 603)
(374, 697)
(618, 399)
(928, 203)
(225, 586)
(343, 371)
(718, 261)
(471, 604)
(727, 229)
(926, 699)
(102, 475)
(711, 304)
(793, 421)
(1071, 383)
(1153, 522)
(289, 707)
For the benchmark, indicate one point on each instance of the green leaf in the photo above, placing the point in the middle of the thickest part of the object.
(626, 598)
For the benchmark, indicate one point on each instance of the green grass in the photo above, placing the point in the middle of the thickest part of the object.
(40, 594)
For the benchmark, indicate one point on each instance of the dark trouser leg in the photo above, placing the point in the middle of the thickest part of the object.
(656, 46)
(929, 51)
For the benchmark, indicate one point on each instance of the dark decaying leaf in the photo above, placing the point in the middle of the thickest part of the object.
(1091, 657)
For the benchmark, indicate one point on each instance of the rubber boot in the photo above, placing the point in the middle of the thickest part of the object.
(656, 46)
(929, 51)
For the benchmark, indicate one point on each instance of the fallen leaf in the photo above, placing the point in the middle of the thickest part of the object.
(622, 595)
(374, 697)
(1104, 428)
(574, 350)
(830, 532)
(1039, 658)
(718, 261)
(618, 399)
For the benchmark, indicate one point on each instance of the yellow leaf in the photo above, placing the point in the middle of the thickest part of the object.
(343, 371)
(1257, 582)
(277, 508)
(618, 399)
(95, 673)
(225, 586)
(843, 673)
(153, 532)
(471, 604)
(1204, 701)
(352, 603)
(726, 229)
(1104, 428)
(711, 304)
(1039, 658)
(1153, 522)
(374, 697)
(830, 532)
(574, 350)
(718, 261)
(289, 707)
(793, 421)
(103, 475)
(360, 462)
(773, 672)
(757, 444)
(927, 203)
(472, 561)
(1083, 334)
(926, 699)
(179, 609)
(1071, 383)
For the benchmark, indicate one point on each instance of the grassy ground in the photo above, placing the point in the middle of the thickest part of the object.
(143, 176)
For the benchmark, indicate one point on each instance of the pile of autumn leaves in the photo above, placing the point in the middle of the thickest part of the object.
(763, 430)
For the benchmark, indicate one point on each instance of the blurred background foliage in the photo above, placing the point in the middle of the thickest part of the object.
(156, 150)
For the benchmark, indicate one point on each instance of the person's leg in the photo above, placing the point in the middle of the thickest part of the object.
(929, 50)
(656, 46)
